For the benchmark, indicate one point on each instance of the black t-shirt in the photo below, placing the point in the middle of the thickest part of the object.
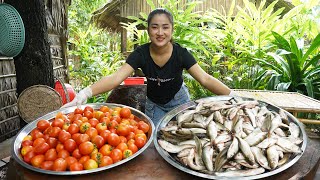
(162, 83)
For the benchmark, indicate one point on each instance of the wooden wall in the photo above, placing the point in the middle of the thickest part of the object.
(9, 116)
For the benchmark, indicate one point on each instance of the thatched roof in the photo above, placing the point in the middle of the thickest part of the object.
(116, 11)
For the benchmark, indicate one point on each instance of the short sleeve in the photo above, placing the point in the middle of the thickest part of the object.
(136, 58)
(187, 59)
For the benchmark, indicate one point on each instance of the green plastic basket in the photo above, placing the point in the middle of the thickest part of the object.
(12, 33)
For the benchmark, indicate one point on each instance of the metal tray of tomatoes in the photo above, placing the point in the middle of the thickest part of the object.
(29, 127)
(192, 104)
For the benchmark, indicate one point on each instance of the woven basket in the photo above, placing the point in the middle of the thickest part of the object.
(36, 101)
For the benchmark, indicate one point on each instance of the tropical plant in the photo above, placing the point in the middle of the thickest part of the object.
(95, 53)
(293, 66)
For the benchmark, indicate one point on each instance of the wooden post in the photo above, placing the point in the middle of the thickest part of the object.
(124, 40)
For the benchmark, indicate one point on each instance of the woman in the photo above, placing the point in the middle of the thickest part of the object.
(162, 62)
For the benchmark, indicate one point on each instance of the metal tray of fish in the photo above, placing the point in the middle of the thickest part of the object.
(29, 127)
(230, 137)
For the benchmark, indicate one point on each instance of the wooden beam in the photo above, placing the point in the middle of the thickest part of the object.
(124, 40)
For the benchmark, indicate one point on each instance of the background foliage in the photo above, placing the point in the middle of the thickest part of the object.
(250, 50)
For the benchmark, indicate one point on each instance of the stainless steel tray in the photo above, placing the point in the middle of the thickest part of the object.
(29, 127)
(170, 159)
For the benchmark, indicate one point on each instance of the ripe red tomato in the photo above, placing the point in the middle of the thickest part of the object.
(53, 142)
(104, 109)
(143, 126)
(98, 141)
(46, 165)
(57, 123)
(92, 132)
(139, 141)
(73, 128)
(113, 139)
(76, 153)
(106, 149)
(93, 122)
(125, 112)
(70, 145)
(105, 161)
(27, 143)
(59, 147)
(70, 160)
(59, 164)
(122, 146)
(43, 124)
(82, 138)
(63, 136)
(77, 166)
(88, 114)
(83, 159)
(51, 155)
(76, 117)
(88, 108)
(41, 148)
(54, 131)
(86, 148)
(38, 141)
(133, 147)
(63, 154)
(29, 155)
(116, 155)
(105, 120)
(113, 124)
(105, 134)
(78, 111)
(123, 129)
(37, 160)
(130, 136)
(123, 139)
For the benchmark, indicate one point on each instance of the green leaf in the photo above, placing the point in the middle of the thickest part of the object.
(314, 45)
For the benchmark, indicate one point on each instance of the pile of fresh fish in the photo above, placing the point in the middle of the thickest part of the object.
(235, 137)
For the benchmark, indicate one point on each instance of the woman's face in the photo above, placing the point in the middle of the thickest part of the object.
(160, 30)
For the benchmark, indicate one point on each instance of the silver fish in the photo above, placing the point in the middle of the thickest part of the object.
(207, 154)
(260, 157)
(251, 116)
(212, 131)
(294, 130)
(186, 116)
(184, 153)
(233, 149)
(171, 148)
(288, 145)
(245, 149)
(248, 172)
(273, 157)
(190, 161)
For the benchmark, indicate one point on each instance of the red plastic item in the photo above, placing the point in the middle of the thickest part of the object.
(134, 81)
(58, 87)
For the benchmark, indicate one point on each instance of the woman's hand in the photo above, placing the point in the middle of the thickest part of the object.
(81, 98)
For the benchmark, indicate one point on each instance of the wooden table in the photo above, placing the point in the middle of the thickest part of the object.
(150, 165)
(292, 102)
